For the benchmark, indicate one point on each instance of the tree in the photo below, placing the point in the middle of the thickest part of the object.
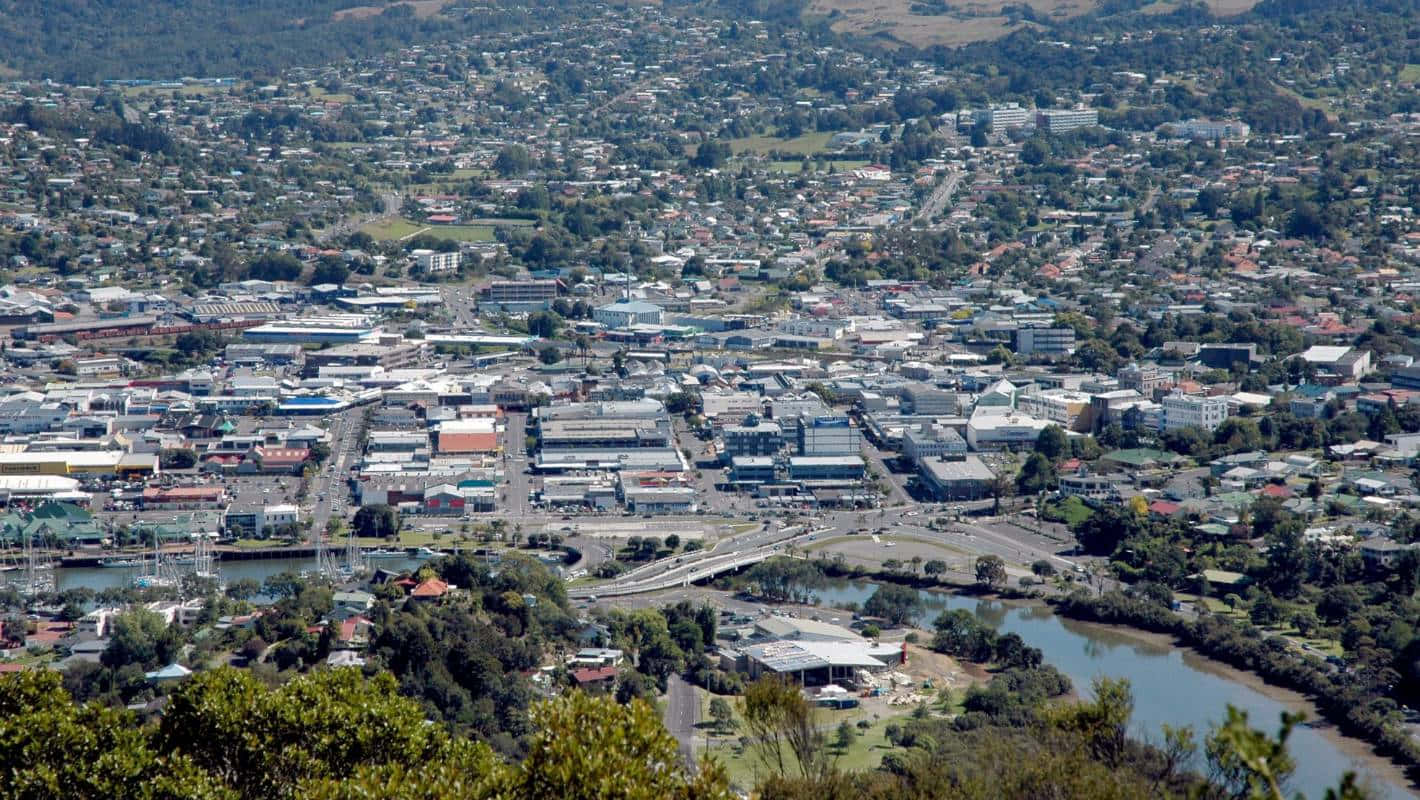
(54, 748)
(142, 638)
(895, 603)
(1043, 568)
(934, 567)
(544, 324)
(177, 458)
(329, 271)
(781, 722)
(843, 739)
(721, 714)
(1037, 475)
(378, 521)
(1051, 442)
(549, 354)
(990, 570)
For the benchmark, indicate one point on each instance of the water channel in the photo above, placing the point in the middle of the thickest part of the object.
(1171, 685)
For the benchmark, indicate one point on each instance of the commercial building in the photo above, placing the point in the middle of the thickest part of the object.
(330, 328)
(1193, 411)
(1227, 355)
(603, 434)
(932, 440)
(433, 262)
(1341, 363)
(626, 314)
(826, 436)
(1010, 431)
(260, 521)
(366, 354)
(755, 437)
(520, 295)
(1086, 486)
(86, 462)
(956, 479)
(826, 468)
(1043, 341)
(1068, 409)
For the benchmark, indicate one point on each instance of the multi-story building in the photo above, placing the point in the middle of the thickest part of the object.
(1043, 341)
(626, 314)
(1143, 380)
(826, 436)
(755, 437)
(928, 401)
(1211, 130)
(932, 441)
(520, 295)
(432, 261)
(1193, 411)
(1061, 406)
(1065, 120)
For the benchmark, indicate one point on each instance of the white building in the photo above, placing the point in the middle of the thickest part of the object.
(431, 261)
(1060, 406)
(626, 314)
(1008, 431)
(1193, 411)
(1066, 120)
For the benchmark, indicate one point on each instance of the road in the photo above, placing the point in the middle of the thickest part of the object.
(392, 200)
(517, 497)
(1018, 544)
(682, 714)
(329, 492)
(939, 199)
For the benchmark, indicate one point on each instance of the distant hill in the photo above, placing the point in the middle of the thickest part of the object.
(83, 41)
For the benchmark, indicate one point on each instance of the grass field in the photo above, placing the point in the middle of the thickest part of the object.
(795, 167)
(865, 753)
(1410, 74)
(396, 228)
(462, 233)
(808, 144)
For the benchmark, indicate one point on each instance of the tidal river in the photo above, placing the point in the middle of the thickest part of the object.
(1171, 685)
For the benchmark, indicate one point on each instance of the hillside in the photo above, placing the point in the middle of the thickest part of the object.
(86, 41)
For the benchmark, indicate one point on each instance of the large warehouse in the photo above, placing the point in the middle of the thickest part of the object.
(87, 462)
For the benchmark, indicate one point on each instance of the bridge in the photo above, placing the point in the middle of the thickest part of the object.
(638, 581)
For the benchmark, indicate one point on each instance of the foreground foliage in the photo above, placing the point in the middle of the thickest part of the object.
(332, 735)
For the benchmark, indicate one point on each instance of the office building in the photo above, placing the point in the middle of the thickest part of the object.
(1043, 341)
(1193, 411)
(826, 436)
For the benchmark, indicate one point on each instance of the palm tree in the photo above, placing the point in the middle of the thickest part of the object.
(583, 345)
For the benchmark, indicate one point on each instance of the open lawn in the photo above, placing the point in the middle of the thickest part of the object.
(396, 228)
(795, 167)
(866, 752)
(808, 144)
(461, 233)
(1410, 74)
(1073, 510)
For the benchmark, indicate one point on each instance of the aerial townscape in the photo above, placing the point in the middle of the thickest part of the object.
(695, 399)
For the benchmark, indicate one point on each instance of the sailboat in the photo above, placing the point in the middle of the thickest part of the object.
(157, 573)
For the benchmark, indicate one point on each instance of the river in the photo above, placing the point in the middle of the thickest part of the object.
(1171, 685)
